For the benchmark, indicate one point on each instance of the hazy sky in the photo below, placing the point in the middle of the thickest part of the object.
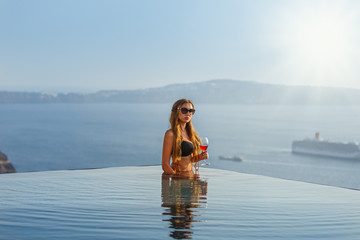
(90, 45)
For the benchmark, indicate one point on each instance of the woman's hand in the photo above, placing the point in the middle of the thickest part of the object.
(204, 155)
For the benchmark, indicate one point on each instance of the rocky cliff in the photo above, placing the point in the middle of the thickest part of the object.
(5, 165)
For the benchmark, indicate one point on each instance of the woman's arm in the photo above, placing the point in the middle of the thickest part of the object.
(166, 154)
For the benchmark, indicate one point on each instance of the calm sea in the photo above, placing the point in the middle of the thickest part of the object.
(41, 137)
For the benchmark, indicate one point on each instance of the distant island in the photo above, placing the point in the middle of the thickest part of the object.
(212, 91)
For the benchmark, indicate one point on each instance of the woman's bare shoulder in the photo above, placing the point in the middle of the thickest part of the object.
(169, 133)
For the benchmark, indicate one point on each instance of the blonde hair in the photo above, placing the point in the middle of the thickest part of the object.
(175, 126)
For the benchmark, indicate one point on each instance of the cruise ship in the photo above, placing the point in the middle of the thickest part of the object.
(321, 147)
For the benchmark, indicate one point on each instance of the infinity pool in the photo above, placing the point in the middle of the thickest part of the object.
(138, 203)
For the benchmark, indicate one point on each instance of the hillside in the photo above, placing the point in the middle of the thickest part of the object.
(213, 91)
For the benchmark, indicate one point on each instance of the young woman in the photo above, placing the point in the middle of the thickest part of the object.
(181, 142)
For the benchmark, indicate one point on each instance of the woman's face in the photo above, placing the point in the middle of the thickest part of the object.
(185, 117)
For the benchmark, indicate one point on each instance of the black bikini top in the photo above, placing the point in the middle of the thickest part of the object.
(187, 148)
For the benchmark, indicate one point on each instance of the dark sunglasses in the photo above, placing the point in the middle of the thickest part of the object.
(185, 111)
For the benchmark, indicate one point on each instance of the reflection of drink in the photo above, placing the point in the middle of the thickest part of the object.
(203, 147)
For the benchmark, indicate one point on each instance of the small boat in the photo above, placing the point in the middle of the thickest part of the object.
(231, 158)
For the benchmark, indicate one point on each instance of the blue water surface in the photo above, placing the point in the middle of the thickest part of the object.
(139, 203)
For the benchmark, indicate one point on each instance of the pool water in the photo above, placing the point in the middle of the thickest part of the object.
(140, 203)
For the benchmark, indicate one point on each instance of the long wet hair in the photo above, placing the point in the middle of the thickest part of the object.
(175, 126)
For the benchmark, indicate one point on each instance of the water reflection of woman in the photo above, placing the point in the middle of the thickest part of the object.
(181, 142)
(180, 196)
